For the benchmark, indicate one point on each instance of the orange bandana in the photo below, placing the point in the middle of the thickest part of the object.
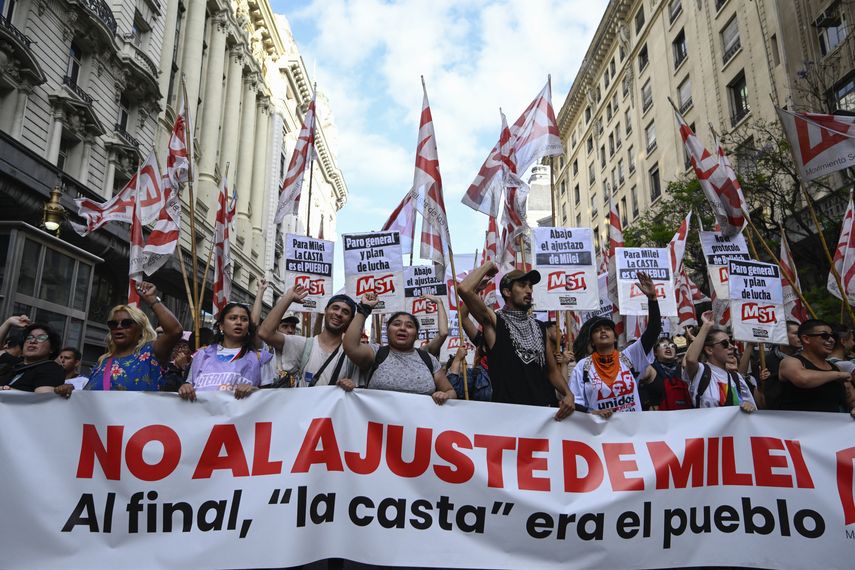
(607, 366)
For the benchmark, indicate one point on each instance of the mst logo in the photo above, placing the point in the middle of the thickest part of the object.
(723, 275)
(559, 280)
(761, 314)
(374, 284)
(315, 286)
(424, 307)
(636, 292)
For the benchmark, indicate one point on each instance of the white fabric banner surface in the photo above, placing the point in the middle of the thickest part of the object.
(290, 476)
(373, 262)
(718, 251)
(567, 264)
(757, 302)
(422, 280)
(656, 262)
(309, 263)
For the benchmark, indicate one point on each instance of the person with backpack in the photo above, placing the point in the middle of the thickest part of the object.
(716, 382)
(662, 386)
(606, 380)
(318, 360)
(398, 366)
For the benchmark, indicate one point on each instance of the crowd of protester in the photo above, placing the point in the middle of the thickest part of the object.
(517, 359)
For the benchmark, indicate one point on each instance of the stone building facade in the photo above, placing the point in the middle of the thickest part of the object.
(722, 63)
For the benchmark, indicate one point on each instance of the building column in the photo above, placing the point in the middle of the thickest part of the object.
(231, 117)
(167, 46)
(244, 166)
(259, 178)
(83, 177)
(109, 175)
(55, 137)
(191, 61)
(22, 95)
(213, 101)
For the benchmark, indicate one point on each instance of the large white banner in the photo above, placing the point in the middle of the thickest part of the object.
(567, 264)
(309, 263)
(656, 262)
(373, 263)
(718, 251)
(285, 477)
(420, 280)
(757, 302)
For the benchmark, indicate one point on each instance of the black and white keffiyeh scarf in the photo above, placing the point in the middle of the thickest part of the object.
(526, 336)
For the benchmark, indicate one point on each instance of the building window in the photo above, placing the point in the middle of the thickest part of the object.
(674, 10)
(577, 195)
(579, 220)
(124, 113)
(140, 31)
(609, 111)
(643, 59)
(730, 43)
(620, 172)
(633, 196)
(624, 86)
(747, 158)
(563, 213)
(843, 94)
(587, 115)
(592, 178)
(655, 186)
(831, 28)
(603, 156)
(7, 9)
(617, 135)
(628, 118)
(575, 167)
(650, 136)
(639, 20)
(75, 58)
(612, 66)
(606, 80)
(630, 155)
(614, 179)
(738, 93)
(611, 144)
(590, 145)
(282, 161)
(684, 95)
(563, 187)
(678, 46)
(65, 148)
(176, 50)
(622, 53)
(623, 211)
(646, 96)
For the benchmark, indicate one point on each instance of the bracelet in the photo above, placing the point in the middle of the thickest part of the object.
(156, 301)
(364, 310)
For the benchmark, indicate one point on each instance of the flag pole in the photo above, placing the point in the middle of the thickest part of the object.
(211, 250)
(778, 262)
(761, 346)
(828, 256)
(311, 165)
(459, 324)
(188, 138)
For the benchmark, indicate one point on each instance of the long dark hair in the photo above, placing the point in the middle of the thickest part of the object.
(249, 341)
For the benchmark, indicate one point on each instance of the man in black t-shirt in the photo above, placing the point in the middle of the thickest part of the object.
(37, 372)
(810, 383)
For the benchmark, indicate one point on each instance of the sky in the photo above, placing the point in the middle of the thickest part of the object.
(475, 56)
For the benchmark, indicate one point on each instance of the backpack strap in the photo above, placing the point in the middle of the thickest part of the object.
(703, 384)
(306, 354)
(383, 353)
(426, 359)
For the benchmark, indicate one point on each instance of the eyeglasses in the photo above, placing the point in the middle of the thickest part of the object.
(123, 324)
(725, 343)
(36, 337)
(823, 335)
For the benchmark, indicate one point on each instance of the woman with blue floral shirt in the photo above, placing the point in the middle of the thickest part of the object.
(134, 351)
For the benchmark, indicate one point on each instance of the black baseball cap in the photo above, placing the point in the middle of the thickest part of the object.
(341, 298)
(508, 278)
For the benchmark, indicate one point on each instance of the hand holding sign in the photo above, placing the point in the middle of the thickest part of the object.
(370, 299)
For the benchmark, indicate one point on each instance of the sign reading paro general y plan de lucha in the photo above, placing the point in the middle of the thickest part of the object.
(373, 263)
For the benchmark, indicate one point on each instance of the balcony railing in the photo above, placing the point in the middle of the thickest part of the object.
(684, 106)
(731, 51)
(102, 11)
(72, 84)
(651, 146)
(7, 25)
(738, 115)
(125, 136)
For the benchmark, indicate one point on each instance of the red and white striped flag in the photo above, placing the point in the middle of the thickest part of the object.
(161, 242)
(534, 135)
(682, 289)
(490, 253)
(222, 249)
(180, 155)
(844, 257)
(289, 193)
(120, 207)
(794, 309)
(677, 245)
(426, 192)
(137, 243)
(718, 180)
(516, 195)
(403, 221)
(821, 144)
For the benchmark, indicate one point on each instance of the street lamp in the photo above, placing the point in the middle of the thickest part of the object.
(53, 213)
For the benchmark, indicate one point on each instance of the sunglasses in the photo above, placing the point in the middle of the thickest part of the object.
(37, 337)
(123, 324)
(725, 343)
(822, 335)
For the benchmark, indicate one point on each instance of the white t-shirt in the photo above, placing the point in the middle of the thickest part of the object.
(716, 392)
(623, 395)
(78, 382)
(293, 348)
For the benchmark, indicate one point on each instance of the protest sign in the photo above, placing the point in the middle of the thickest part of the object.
(718, 251)
(450, 346)
(147, 480)
(606, 308)
(566, 261)
(656, 262)
(422, 280)
(373, 263)
(757, 302)
(309, 263)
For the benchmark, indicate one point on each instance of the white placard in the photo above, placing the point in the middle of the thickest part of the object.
(450, 346)
(373, 263)
(718, 251)
(309, 263)
(422, 280)
(757, 302)
(567, 264)
(606, 308)
(657, 264)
